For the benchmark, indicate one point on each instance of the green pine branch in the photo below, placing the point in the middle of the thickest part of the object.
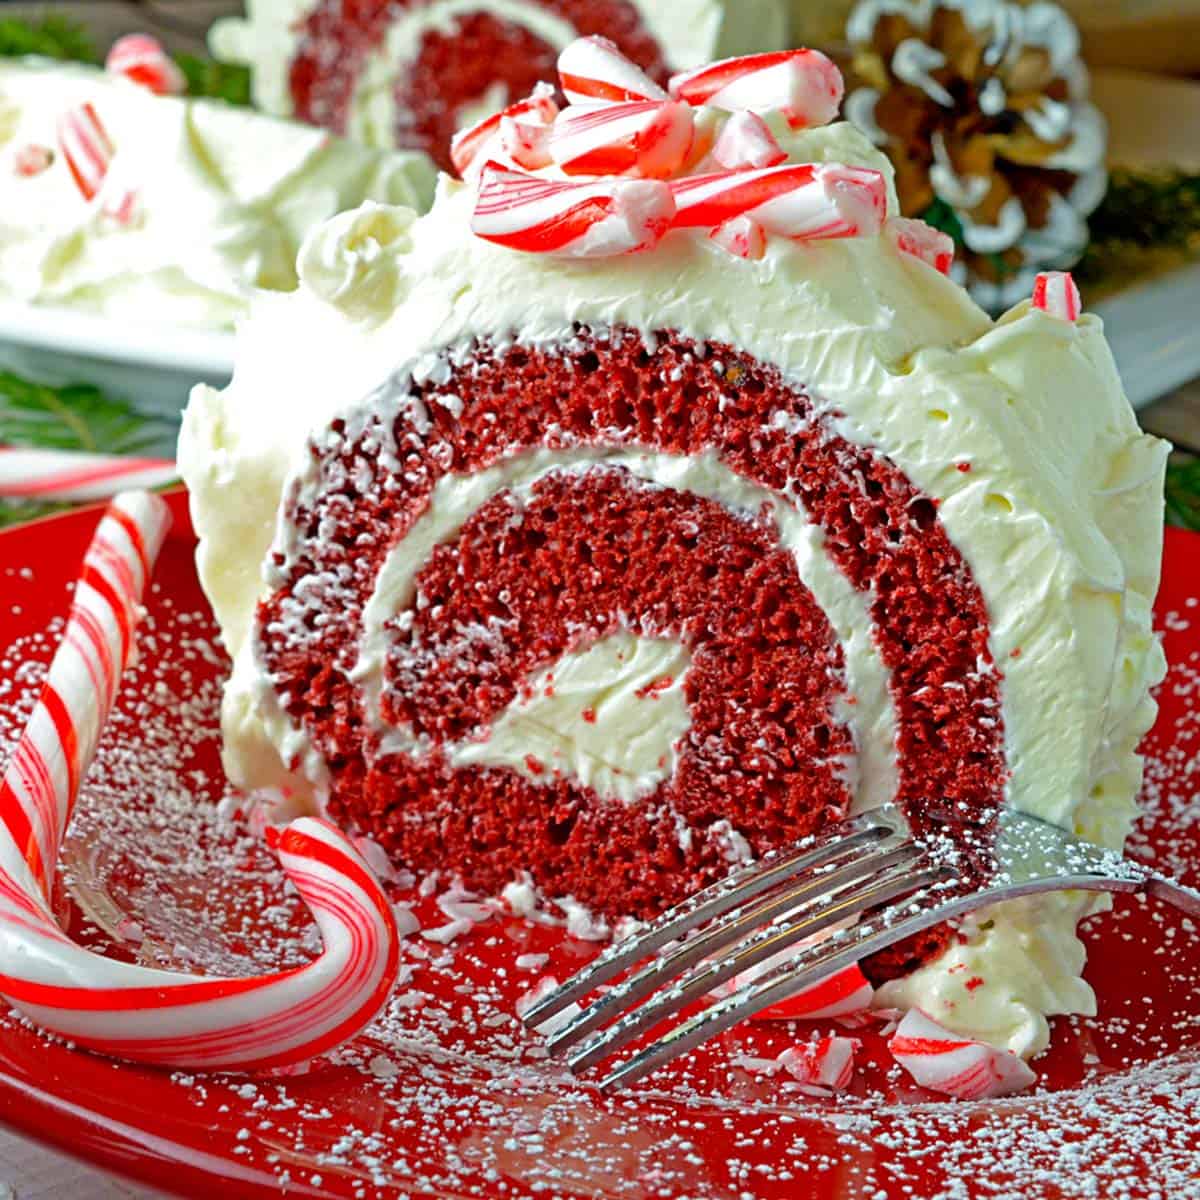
(1183, 494)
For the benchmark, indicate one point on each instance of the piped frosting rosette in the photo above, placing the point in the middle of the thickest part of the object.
(409, 73)
(657, 499)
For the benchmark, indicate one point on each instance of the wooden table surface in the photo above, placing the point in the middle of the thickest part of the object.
(181, 24)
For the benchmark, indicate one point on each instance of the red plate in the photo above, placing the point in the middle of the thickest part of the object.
(446, 1097)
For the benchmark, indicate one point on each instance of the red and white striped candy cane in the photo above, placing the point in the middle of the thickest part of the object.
(592, 69)
(142, 59)
(922, 241)
(70, 475)
(801, 201)
(472, 147)
(946, 1062)
(137, 1012)
(86, 146)
(746, 142)
(828, 1062)
(649, 139)
(571, 220)
(1055, 293)
(742, 237)
(804, 85)
(526, 142)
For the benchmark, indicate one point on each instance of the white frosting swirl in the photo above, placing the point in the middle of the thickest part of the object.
(224, 197)
(1058, 516)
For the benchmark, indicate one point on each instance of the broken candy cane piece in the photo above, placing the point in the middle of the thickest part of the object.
(804, 85)
(86, 146)
(1055, 293)
(827, 1062)
(471, 148)
(922, 241)
(592, 69)
(745, 141)
(645, 138)
(804, 201)
(136, 1012)
(742, 237)
(142, 59)
(946, 1062)
(571, 220)
(32, 159)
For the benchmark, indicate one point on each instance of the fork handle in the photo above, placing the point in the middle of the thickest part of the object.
(1185, 899)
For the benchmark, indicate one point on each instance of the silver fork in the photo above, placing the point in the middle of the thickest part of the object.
(851, 890)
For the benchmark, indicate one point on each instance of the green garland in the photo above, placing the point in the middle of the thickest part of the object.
(57, 37)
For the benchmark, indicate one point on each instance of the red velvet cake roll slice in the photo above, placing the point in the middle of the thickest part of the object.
(595, 533)
(410, 73)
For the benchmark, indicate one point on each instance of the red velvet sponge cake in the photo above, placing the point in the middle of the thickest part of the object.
(656, 500)
(410, 73)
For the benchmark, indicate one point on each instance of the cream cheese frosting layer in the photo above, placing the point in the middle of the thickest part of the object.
(689, 32)
(1018, 429)
(222, 198)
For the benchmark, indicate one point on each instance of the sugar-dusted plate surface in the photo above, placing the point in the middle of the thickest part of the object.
(446, 1097)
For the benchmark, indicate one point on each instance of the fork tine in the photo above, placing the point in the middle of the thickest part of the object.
(731, 892)
(882, 887)
(809, 891)
(875, 931)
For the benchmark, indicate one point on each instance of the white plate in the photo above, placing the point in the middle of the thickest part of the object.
(152, 366)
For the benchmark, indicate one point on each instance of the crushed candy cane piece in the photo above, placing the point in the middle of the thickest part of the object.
(804, 85)
(803, 201)
(526, 142)
(946, 1062)
(827, 1062)
(1055, 293)
(571, 220)
(135, 1012)
(644, 138)
(141, 58)
(32, 159)
(745, 141)
(843, 994)
(86, 146)
(742, 237)
(592, 69)
(471, 148)
(922, 241)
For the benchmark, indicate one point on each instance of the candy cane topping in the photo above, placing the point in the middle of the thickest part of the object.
(804, 85)
(141, 58)
(742, 237)
(472, 147)
(1055, 293)
(572, 220)
(136, 1012)
(802, 201)
(592, 69)
(86, 146)
(645, 138)
(958, 1066)
(745, 141)
(922, 241)
(32, 159)
(828, 1062)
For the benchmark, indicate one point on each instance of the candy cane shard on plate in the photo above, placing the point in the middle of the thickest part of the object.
(597, 219)
(847, 992)
(592, 69)
(946, 1062)
(142, 59)
(85, 144)
(649, 139)
(472, 147)
(916, 238)
(804, 201)
(135, 1012)
(827, 1062)
(1055, 293)
(746, 142)
(804, 85)
(70, 475)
